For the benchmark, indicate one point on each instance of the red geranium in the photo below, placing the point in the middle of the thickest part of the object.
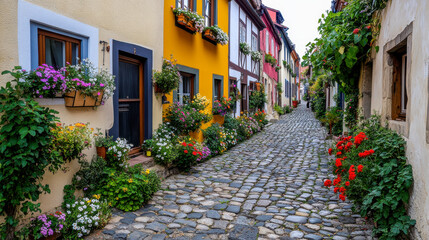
(184, 144)
(342, 197)
(338, 162)
(356, 31)
(330, 151)
(328, 183)
(347, 183)
(360, 167)
(186, 151)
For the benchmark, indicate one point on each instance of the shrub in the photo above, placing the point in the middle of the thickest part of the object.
(223, 106)
(128, 190)
(214, 139)
(85, 214)
(188, 153)
(376, 176)
(232, 123)
(27, 151)
(91, 177)
(278, 109)
(248, 126)
(163, 145)
(287, 109)
(117, 153)
(257, 99)
(332, 117)
(185, 118)
(45, 225)
(71, 140)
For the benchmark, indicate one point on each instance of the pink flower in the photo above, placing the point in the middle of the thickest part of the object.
(98, 93)
(101, 85)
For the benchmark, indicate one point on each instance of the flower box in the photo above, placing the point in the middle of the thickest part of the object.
(183, 23)
(209, 34)
(77, 99)
(219, 119)
(101, 152)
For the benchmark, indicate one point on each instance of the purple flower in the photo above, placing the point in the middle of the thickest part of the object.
(84, 189)
(39, 74)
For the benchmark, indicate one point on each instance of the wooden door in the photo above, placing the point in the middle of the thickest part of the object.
(243, 102)
(131, 105)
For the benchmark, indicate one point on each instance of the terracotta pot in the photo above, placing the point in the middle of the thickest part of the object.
(295, 104)
(181, 19)
(209, 34)
(101, 151)
(77, 99)
(219, 119)
(258, 86)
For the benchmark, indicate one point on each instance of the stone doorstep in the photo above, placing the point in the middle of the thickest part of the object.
(148, 162)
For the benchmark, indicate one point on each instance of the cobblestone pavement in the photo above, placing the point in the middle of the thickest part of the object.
(269, 187)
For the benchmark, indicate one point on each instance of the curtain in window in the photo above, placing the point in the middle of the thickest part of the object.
(55, 53)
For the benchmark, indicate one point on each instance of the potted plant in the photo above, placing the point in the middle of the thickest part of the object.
(102, 143)
(190, 20)
(86, 86)
(256, 56)
(245, 48)
(270, 59)
(167, 79)
(278, 68)
(294, 102)
(147, 147)
(215, 35)
(221, 108)
(48, 227)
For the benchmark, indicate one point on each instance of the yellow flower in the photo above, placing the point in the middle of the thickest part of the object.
(112, 174)
(146, 181)
(89, 201)
(124, 189)
(117, 198)
(110, 204)
(130, 180)
(147, 171)
(97, 196)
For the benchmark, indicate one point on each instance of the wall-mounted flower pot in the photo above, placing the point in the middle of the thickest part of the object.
(219, 119)
(183, 23)
(77, 99)
(258, 86)
(101, 152)
(295, 104)
(209, 36)
(157, 89)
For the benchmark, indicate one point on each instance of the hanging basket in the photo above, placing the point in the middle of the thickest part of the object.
(77, 99)
(157, 89)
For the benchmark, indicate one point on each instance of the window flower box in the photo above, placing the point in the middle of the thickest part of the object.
(215, 35)
(78, 99)
(188, 20)
(218, 119)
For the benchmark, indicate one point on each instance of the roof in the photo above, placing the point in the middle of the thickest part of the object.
(264, 10)
(279, 16)
(253, 15)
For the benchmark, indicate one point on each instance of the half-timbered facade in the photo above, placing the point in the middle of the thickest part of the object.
(244, 26)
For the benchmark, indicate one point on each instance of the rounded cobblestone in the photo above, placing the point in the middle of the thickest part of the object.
(271, 184)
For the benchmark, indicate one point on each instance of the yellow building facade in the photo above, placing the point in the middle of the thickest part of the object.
(202, 63)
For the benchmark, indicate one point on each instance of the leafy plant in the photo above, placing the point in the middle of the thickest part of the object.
(279, 87)
(117, 153)
(101, 140)
(270, 59)
(331, 118)
(91, 177)
(257, 98)
(163, 145)
(26, 150)
(256, 56)
(128, 190)
(376, 177)
(168, 78)
(223, 106)
(85, 214)
(278, 109)
(185, 118)
(191, 16)
(188, 154)
(245, 48)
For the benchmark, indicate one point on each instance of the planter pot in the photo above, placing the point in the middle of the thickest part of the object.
(191, 26)
(77, 99)
(209, 34)
(181, 19)
(295, 104)
(218, 119)
(197, 135)
(258, 86)
(101, 151)
(157, 89)
(148, 153)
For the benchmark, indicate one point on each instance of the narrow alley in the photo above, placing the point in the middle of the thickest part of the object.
(269, 187)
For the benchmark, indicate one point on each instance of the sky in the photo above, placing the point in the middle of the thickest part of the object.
(301, 17)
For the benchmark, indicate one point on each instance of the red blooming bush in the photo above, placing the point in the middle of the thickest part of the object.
(371, 169)
(188, 154)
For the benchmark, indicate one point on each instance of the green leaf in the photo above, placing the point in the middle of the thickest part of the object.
(23, 131)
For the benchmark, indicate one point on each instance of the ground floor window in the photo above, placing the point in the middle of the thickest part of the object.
(185, 91)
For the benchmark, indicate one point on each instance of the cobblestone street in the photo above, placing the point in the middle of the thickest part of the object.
(269, 187)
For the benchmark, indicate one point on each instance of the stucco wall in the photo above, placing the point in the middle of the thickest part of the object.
(415, 12)
(129, 22)
(191, 50)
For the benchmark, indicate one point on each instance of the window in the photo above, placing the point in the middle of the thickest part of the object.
(242, 32)
(217, 89)
(185, 91)
(272, 47)
(209, 12)
(56, 50)
(185, 4)
(254, 42)
(266, 41)
(399, 90)
(232, 83)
